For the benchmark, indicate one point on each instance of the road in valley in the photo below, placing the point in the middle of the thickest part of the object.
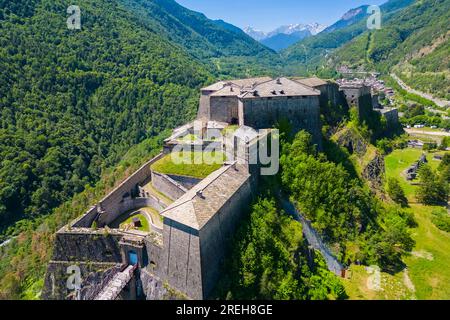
(428, 133)
(439, 102)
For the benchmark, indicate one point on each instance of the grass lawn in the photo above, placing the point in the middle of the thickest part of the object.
(428, 275)
(399, 160)
(429, 264)
(392, 287)
(142, 218)
(193, 164)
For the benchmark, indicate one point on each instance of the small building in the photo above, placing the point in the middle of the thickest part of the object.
(137, 222)
(391, 116)
(411, 172)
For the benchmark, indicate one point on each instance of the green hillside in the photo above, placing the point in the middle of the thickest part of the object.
(228, 50)
(311, 53)
(414, 42)
(74, 101)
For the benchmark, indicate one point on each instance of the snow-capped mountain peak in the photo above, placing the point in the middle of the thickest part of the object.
(255, 33)
(312, 29)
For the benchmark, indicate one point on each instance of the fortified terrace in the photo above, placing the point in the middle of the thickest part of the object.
(164, 232)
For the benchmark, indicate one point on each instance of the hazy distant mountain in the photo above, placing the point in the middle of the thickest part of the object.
(312, 51)
(350, 17)
(284, 36)
(255, 33)
(313, 29)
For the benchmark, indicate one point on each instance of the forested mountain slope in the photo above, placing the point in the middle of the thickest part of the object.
(416, 41)
(226, 47)
(309, 54)
(73, 101)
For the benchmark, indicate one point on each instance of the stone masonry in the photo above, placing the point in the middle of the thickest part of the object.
(199, 216)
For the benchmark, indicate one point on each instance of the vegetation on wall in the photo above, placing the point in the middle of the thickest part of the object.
(270, 260)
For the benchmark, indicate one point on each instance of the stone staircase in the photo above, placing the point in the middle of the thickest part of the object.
(113, 288)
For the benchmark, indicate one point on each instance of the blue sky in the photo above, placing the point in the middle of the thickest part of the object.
(267, 15)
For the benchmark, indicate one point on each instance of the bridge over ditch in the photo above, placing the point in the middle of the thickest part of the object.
(114, 287)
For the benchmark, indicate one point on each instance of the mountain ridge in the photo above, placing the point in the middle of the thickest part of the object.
(286, 35)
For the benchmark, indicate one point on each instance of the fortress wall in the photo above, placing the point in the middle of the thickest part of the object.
(391, 117)
(186, 182)
(216, 236)
(203, 110)
(223, 109)
(93, 276)
(128, 205)
(155, 288)
(111, 203)
(331, 93)
(181, 259)
(376, 101)
(87, 219)
(93, 246)
(352, 95)
(155, 257)
(206, 145)
(365, 107)
(301, 112)
(167, 185)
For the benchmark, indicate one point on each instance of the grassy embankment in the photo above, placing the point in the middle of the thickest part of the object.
(190, 164)
(428, 272)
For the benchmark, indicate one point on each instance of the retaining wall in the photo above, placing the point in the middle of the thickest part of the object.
(167, 185)
(111, 203)
(128, 205)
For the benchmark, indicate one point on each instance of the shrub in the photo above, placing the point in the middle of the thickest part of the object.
(441, 219)
(396, 193)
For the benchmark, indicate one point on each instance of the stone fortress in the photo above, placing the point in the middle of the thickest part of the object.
(107, 254)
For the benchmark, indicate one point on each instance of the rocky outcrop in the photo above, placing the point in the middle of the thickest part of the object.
(352, 141)
(368, 159)
(374, 172)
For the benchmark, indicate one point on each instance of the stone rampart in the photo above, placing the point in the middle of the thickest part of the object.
(111, 203)
(171, 188)
(300, 112)
(92, 276)
(216, 236)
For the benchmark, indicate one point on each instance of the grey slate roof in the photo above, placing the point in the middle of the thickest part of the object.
(241, 83)
(311, 82)
(281, 87)
(196, 207)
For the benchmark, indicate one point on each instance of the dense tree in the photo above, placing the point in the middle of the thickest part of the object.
(342, 209)
(433, 189)
(270, 261)
(396, 192)
(73, 102)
